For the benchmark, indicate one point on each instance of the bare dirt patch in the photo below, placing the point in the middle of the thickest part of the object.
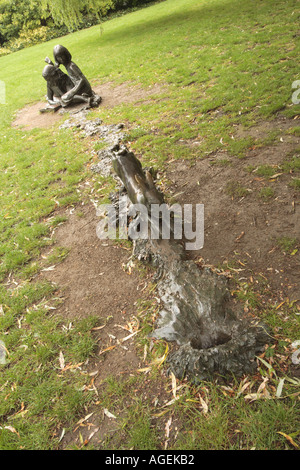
(112, 95)
(30, 117)
(93, 280)
(92, 276)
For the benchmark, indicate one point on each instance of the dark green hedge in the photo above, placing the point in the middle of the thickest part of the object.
(23, 23)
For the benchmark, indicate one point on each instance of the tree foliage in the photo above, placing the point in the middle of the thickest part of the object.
(16, 15)
(71, 12)
(27, 22)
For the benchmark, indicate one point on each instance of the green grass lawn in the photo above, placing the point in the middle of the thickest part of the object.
(239, 58)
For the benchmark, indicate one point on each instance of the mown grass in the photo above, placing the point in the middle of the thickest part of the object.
(220, 64)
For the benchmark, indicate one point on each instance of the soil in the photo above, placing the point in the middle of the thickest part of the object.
(93, 266)
(94, 280)
(242, 230)
(112, 95)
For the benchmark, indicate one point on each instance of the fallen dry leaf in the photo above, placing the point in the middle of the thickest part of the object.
(289, 438)
(167, 427)
(239, 237)
(174, 384)
(129, 336)
(171, 402)
(11, 429)
(92, 434)
(72, 366)
(275, 176)
(51, 268)
(203, 405)
(156, 362)
(158, 415)
(85, 418)
(107, 349)
(109, 414)
(61, 360)
(98, 328)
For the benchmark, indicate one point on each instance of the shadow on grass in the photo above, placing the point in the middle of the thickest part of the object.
(231, 12)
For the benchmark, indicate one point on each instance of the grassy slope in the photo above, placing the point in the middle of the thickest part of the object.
(236, 56)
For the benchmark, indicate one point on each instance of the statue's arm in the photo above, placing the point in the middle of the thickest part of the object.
(77, 87)
(48, 61)
(50, 95)
(78, 78)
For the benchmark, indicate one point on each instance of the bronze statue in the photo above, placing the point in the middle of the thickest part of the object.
(58, 84)
(214, 336)
(139, 185)
(64, 90)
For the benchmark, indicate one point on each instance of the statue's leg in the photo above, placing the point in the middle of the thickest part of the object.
(81, 99)
(67, 100)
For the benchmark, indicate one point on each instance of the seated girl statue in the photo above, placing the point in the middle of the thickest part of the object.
(81, 92)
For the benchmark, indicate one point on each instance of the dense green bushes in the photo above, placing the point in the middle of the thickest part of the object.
(25, 22)
(16, 15)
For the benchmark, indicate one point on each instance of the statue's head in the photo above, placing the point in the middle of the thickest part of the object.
(61, 55)
(49, 72)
